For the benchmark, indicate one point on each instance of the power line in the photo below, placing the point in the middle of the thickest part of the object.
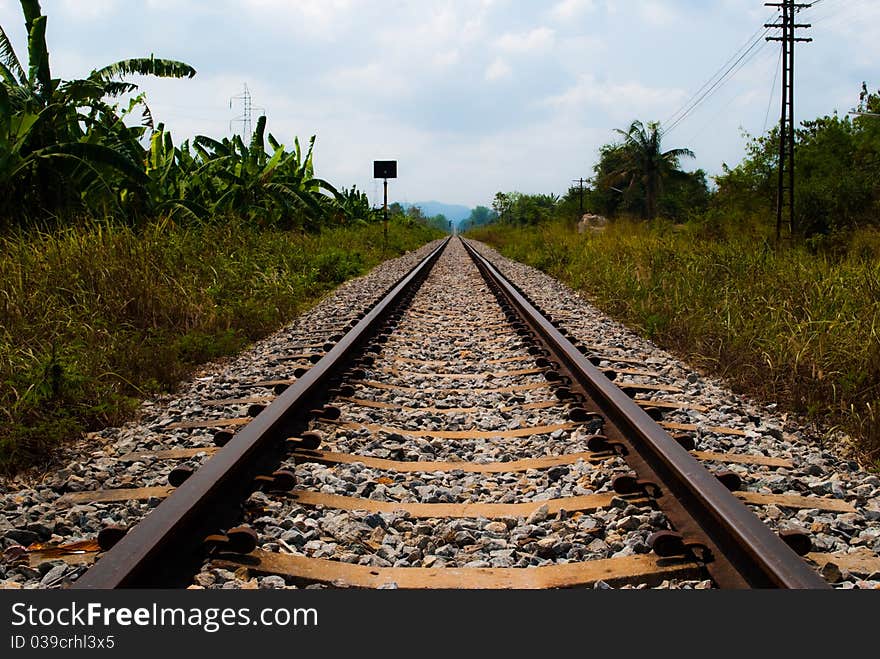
(726, 104)
(731, 72)
(720, 73)
(772, 93)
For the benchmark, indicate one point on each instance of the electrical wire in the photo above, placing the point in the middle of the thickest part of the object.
(728, 103)
(772, 92)
(731, 72)
(750, 43)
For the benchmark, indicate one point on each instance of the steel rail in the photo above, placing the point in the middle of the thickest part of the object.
(165, 548)
(751, 555)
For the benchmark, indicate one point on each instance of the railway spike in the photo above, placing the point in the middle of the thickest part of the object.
(577, 400)
(179, 475)
(298, 373)
(564, 393)
(255, 409)
(686, 441)
(110, 535)
(238, 540)
(328, 413)
(601, 444)
(556, 376)
(630, 484)
(346, 390)
(543, 362)
(729, 479)
(669, 544)
(223, 437)
(308, 441)
(282, 480)
(279, 389)
(580, 415)
(799, 541)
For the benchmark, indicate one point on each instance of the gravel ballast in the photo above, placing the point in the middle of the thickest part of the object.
(432, 376)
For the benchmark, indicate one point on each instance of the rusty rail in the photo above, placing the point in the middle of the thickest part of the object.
(166, 547)
(740, 550)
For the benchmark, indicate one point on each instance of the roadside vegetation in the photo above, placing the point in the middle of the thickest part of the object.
(127, 259)
(793, 322)
(94, 318)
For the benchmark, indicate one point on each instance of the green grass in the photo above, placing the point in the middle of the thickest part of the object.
(93, 319)
(785, 325)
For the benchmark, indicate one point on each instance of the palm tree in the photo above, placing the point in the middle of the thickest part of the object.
(645, 162)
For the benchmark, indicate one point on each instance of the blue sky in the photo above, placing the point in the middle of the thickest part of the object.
(470, 96)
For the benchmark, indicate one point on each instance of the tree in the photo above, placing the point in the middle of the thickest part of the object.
(837, 169)
(644, 163)
(481, 216)
(500, 204)
(685, 195)
(59, 139)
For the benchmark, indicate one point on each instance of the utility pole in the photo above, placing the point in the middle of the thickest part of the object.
(786, 123)
(581, 182)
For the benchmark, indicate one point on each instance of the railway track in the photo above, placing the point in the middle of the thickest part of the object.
(451, 436)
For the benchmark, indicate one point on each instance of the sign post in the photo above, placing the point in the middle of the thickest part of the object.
(385, 169)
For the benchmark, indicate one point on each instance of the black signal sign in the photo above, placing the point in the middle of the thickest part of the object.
(384, 169)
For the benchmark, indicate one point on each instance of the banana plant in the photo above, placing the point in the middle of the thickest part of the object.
(174, 179)
(73, 145)
(61, 140)
(279, 188)
(354, 207)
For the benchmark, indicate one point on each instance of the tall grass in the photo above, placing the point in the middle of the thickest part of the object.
(94, 318)
(786, 325)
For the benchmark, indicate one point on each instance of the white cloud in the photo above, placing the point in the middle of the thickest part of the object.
(314, 19)
(163, 4)
(657, 13)
(498, 70)
(443, 60)
(541, 38)
(621, 100)
(86, 10)
(567, 10)
(373, 77)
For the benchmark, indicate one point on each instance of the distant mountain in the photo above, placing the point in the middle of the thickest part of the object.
(452, 212)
